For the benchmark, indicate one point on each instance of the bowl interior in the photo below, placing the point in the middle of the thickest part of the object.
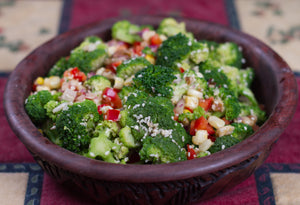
(274, 86)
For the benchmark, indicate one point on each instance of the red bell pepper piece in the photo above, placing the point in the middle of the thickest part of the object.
(110, 97)
(207, 103)
(191, 154)
(113, 115)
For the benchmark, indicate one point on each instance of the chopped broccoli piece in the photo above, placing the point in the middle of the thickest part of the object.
(213, 74)
(241, 131)
(155, 80)
(52, 109)
(59, 67)
(147, 50)
(76, 124)
(223, 143)
(125, 31)
(161, 150)
(199, 52)
(152, 117)
(50, 131)
(34, 106)
(170, 27)
(232, 107)
(106, 145)
(102, 147)
(89, 55)
(197, 113)
(127, 138)
(97, 83)
(173, 51)
(110, 128)
(132, 66)
(246, 77)
(229, 54)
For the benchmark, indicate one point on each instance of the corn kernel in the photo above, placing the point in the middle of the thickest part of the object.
(226, 130)
(200, 137)
(54, 82)
(186, 111)
(195, 93)
(216, 122)
(129, 81)
(42, 87)
(119, 82)
(191, 102)
(39, 81)
(205, 145)
(150, 58)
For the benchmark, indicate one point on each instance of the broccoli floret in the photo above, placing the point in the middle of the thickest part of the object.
(223, 143)
(110, 128)
(232, 107)
(199, 52)
(214, 74)
(132, 66)
(59, 67)
(171, 27)
(89, 55)
(152, 117)
(107, 150)
(197, 113)
(76, 124)
(34, 106)
(155, 80)
(247, 110)
(106, 145)
(50, 131)
(50, 106)
(241, 131)
(178, 91)
(127, 138)
(97, 83)
(229, 54)
(125, 31)
(173, 51)
(246, 77)
(161, 150)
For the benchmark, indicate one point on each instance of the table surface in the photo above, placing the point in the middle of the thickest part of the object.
(26, 24)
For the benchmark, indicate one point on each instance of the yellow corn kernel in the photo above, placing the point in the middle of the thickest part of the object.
(54, 82)
(150, 58)
(205, 145)
(200, 137)
(39, 81)
(216, 122)
(186, 111)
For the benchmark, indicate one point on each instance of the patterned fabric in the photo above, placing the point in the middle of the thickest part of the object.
(26, 24)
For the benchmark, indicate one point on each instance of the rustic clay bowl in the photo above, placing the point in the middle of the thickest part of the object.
(175, 183)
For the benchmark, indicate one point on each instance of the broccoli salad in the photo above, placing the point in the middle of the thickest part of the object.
(147, 96)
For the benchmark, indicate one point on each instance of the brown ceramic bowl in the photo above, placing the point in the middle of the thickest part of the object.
(175, 183)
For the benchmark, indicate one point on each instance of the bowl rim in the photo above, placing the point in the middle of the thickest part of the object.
(46, 150)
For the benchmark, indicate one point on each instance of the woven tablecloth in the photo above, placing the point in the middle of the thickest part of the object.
(28, 23)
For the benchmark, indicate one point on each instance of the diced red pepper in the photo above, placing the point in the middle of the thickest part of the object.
(212, 138)
(113, 66)
(207, 103)
(210, 129)
(155, 40)
(201, 124)
(181, 70)
(110, 97)
(100, 107)
(112, 115)
(137, 48)
(191, 154)
(75, 73)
